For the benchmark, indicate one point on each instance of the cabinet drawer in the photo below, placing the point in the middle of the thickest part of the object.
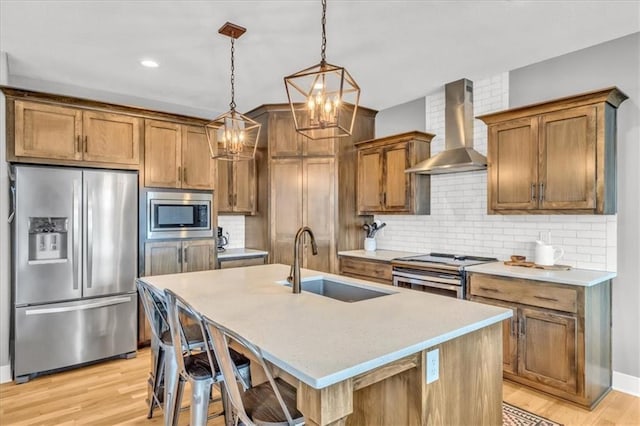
(526, 292)
(236, 263)
(366, 269)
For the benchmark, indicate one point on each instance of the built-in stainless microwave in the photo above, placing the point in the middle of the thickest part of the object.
(179, 215)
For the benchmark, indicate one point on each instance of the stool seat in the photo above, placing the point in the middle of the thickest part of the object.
(197, 365)
(192, 333)
(261, 404)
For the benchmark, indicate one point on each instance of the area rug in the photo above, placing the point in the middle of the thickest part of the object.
(514, 416)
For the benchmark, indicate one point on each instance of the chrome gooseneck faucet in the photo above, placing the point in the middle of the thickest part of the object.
(294, 273)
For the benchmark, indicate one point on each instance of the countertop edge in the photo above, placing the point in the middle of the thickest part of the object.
(574, 276)
(241, 253)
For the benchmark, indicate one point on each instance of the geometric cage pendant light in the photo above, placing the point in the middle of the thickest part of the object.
(323, 98)
(232, 136)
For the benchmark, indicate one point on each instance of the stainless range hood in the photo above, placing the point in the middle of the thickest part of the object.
(458, 155)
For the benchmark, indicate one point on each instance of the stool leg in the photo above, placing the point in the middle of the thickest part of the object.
(171, 380)
(157, 377)
(226, 405)
(201, 391)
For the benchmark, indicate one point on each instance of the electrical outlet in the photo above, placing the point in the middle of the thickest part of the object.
(433, 365)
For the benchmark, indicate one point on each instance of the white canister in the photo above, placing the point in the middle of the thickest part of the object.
(370, 244)
(546, 254)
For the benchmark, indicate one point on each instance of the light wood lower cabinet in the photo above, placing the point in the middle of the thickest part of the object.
(171, 257)
(239, 262)
(371, 270)
(559, 339)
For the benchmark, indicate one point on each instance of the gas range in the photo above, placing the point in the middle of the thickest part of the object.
(441, 273)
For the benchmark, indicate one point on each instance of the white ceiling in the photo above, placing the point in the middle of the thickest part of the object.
(396, 50)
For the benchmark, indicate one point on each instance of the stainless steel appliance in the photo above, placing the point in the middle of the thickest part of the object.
(179, 215)
(222, 240)
(439, 273)
(74, 245)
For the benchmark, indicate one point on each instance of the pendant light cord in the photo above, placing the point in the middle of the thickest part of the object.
(324, 31)
(232, 105)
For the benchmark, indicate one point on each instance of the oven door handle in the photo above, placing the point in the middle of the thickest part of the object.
(424, 283)
(444, 279)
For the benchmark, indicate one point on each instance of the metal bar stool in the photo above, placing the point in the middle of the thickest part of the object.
(199, 368)
(270, 403)
(164, 371)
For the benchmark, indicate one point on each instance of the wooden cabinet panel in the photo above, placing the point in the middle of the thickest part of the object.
(369, 180)
(319, 211)
(198, 255)
(240, 262)
(513, 171)
(286, 205)
(383, 186)
(396, 181)
(198, 168)
(283, 138)
(111, 138)
(224, 187)
(557, 156)
(548, 349)
(568, 159)
(163, 154)
(162, 258)
(47, 131)
(244, 186)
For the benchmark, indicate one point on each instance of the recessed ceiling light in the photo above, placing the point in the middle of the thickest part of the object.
(149, 63)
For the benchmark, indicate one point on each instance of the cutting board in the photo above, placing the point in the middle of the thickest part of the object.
(533, 265)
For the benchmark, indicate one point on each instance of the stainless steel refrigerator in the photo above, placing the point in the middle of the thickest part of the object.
(74, 248)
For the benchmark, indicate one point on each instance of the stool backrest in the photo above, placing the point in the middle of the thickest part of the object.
(219, 336)
(179, 310)
(155, 308)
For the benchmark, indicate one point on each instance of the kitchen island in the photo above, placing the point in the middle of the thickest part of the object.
(364, 362)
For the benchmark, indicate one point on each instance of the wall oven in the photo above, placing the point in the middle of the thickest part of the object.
(437, 273)
(179, 215)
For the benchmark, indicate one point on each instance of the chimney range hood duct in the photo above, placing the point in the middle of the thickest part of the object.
(458, 155)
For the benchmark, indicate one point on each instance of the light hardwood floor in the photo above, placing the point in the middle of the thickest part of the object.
(114, 392)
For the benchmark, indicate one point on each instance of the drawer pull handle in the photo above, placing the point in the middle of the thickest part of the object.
(551, 299)
(489, 289)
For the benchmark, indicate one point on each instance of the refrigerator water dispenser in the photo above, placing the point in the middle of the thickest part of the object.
(48, 239)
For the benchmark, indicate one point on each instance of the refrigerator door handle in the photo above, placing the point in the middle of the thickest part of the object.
(75, 220)
(12, 215)
(89, 246)
(102, 304)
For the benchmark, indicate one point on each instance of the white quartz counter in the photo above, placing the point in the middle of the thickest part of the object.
(580, 277)
(319, 340)
(239, 253)
(383, 255)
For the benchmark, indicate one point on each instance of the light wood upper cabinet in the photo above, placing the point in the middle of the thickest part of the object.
(383, 186)
(177, 156)
(286, 142)
(65, 133)
(557, 156)
(236, 188)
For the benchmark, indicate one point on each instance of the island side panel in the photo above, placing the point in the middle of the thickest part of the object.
(469, 390)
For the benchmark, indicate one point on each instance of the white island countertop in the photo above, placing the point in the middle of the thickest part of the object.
(240, 253)
(381, 255)
(579, 277)
(319, 340)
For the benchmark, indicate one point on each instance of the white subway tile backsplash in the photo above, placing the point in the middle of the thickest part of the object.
(459, 223)
(234, 225)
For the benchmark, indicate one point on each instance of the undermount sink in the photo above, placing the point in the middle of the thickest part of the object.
(338, 290)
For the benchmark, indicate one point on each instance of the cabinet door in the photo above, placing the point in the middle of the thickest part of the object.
(198, 255)
(509, 335)
(198, 169)
(286, 207)
(244, 187)
(396, 183)
(547, 346)
(283, 138)
(513, 165)
(162, 154)
(568, 159)
(369, 180)
(224, 186)
(319, 212)
(111, 138)
(162, 258)
(47, 131)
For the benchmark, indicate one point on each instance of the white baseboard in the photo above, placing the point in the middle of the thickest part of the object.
(626, 383)
(5, 373)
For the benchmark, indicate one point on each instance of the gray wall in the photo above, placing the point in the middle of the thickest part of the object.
(401, 118)
(615, 63)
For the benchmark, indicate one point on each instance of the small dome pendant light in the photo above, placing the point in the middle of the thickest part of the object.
(232, 136)
(323, 98)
